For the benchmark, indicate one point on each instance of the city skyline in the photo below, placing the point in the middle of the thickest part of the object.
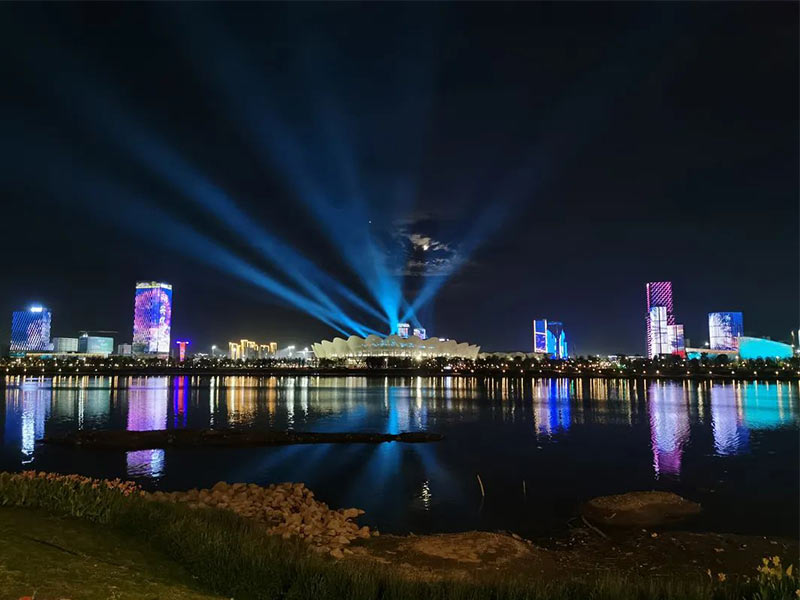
(399, 174)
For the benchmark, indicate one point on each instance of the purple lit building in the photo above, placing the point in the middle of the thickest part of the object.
(152, 317)
(664, 336)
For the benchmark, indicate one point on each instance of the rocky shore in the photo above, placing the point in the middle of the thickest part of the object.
(286, 509)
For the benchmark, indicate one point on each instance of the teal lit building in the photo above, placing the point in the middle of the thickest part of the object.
(752, 348)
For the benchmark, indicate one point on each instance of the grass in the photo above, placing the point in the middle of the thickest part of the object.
(61, 557)
(228, 555)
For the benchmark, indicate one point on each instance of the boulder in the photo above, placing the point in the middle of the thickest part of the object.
(639, 509)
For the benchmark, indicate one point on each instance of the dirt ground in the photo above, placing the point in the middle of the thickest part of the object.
(476, 556)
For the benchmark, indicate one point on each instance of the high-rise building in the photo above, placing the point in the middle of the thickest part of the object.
(724, 330)
(182, 349)
(550, 337)
(659, 294)
(124, 349)
(234, 350)
(95, 344)
(152, 317)
(65, 344)
(403, 329)
(676, 341)
(664, 336)
(30, 330)
(420, 333)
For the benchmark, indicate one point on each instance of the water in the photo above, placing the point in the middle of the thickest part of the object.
(541, 447)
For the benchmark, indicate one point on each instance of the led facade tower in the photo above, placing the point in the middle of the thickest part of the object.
(724, 330)
(30, 330)
(659, 295)
(550, 337)
(152, 316)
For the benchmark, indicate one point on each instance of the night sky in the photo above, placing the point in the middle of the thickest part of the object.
(511, 161)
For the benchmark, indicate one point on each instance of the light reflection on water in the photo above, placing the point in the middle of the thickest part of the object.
(566, 439)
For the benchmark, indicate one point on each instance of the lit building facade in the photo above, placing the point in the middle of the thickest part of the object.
(403, 330)
(420, 333)
(30, 330)
(724, 330)
(182, 349)
(664, 335)
(96, 345)
(250, 350)
(152, 318)
(124, 349)
(676, 340)
(550, 337)
(373, 346)
(65, 344)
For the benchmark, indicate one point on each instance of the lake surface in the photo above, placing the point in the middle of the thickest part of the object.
(540, 446)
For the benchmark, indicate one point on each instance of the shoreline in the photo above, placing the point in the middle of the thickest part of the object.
(763, 375)
(254, 528)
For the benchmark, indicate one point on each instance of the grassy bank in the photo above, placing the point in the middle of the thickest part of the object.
(61, 557)
(230, 556)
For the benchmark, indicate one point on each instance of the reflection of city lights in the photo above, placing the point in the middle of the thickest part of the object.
(669, 426)
(145, 463)
(425, 495)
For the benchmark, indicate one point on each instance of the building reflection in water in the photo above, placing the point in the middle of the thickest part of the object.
(669, 426)
(727, 426)
(180, 392)
(147, 404)
(28, 408)
(147, 411)
(145, 463)
(551, 406)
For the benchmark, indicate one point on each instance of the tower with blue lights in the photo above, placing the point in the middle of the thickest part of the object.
(550, 337)
(30, 330)
(724, 330)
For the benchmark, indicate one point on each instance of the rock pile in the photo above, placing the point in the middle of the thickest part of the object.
(640, 509)
(287, 509)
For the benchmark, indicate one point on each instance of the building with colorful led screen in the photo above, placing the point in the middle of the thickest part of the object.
(664, 335)
(550, 337)
(152, 316)
(95, 345)
(30, 330)
(724, 330)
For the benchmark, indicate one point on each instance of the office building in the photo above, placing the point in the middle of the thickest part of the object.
(182, 349)
(664, 335)
(63, 345)
(550, 337)
(724, 330)
(659, 295)
(403, 330)
(124, 350)
(152, 317)
(30, 330)
(95, 345)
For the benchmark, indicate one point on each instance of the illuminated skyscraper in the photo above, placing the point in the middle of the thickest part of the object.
(550, 337)
(30, 330)
(152, 316)
(664, 336)
(676, 340)
(420, 333)
(182, 349)
(724, 330)
(403, 330)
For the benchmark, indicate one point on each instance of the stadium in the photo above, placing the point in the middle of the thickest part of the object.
(356, 347)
